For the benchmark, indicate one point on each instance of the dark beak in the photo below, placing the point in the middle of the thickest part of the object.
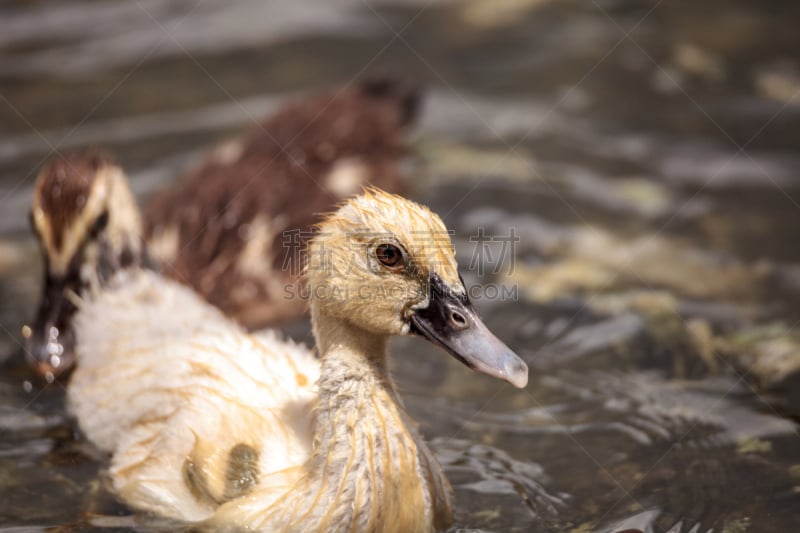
(450, 322)
(49, 342)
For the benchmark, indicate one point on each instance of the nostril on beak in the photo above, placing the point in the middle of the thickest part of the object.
(458, 320)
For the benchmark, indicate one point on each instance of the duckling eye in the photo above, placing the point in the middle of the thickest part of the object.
(99, 224)
(390, 256)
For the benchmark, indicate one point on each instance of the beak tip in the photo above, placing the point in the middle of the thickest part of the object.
(518, 375)
(520, 383)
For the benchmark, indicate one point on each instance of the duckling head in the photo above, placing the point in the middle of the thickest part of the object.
(387, 265)
(88, 226)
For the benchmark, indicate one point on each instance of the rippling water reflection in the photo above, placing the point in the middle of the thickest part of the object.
(644, 152)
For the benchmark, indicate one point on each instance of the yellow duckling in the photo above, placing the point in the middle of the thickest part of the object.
(207, 423)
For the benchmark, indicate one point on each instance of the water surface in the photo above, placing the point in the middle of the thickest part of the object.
(645, 155)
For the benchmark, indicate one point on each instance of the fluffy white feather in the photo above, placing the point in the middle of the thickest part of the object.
(164, 378)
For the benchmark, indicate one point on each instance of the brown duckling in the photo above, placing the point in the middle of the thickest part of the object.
(88, 226)
(235, 228)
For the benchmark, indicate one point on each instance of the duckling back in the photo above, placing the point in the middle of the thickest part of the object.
(184, 399)
(240, 239)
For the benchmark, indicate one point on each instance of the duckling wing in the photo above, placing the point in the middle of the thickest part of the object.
(193, 410)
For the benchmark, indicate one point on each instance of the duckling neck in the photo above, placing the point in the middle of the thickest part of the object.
(366, 451)
(337, 339)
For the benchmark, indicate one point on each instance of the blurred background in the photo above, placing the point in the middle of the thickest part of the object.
(645, 153)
